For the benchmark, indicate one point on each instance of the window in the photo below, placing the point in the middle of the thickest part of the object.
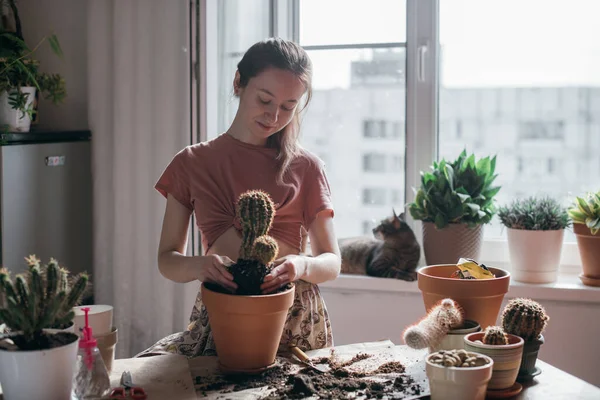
(374, 196)
(530, 114)
(374, 162)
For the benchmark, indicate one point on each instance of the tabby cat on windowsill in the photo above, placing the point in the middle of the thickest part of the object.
(393, 253)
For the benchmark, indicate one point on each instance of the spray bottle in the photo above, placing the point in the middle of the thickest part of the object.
(91, 377)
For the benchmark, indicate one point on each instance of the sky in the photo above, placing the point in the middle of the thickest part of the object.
(484, 42)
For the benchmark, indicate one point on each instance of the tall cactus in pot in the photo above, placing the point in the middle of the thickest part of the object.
(255, 211)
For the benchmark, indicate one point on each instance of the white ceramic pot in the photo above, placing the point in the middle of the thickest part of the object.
(454, 339)
(100, 318)
(458, 383)
(39, 374)
(507, 358)
(535, 255)
(15, 119)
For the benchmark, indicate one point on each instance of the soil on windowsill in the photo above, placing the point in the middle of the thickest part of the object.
(338, 383)
(44, 341)
(249, 275)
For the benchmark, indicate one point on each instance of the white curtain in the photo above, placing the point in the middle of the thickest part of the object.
(138, 63)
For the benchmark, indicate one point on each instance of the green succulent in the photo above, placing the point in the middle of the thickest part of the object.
(586, 211)
(534, 214)
(457, 192)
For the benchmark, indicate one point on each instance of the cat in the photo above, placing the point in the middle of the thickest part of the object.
(393, 253)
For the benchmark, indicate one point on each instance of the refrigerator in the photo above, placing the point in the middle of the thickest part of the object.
(46, 199)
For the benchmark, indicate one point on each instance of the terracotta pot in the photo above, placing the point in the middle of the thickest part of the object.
(448, 245)
(535, 255)
(106, 345)
(589, 250)
(530, 355)
(480, 299)
(246, 329)
(507, 358)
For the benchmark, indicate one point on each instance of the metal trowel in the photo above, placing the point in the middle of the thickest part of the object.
(304, 359)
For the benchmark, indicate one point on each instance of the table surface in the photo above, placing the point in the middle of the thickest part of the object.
(552, 383)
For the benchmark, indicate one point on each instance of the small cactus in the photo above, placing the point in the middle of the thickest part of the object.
(265, 249)
(42, 298)
(495, 335)
(430, 331)
(256, 211)
(525, 318)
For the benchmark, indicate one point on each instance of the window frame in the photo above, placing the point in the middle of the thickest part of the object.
(422, 97)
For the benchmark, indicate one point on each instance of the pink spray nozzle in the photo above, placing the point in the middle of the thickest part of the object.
(88, 340)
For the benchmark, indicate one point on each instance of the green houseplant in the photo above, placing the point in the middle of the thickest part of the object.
(535, 230)
(585, 214)
(246, 325)
(527, 319)
(42, 298)
(454, 201)
(21, 79)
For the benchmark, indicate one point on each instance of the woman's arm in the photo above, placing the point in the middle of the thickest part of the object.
(173, 264)
(323, 266)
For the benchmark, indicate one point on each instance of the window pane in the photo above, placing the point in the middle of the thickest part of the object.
(241, 23)
(529, 94)
(356, 121)
(352, 21)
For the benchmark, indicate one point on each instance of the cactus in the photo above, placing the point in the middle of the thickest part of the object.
(255, 210)
(430, 331)
(44, 297)
(495, 335)
(525, 318)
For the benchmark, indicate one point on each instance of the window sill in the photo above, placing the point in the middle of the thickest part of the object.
(568, 287)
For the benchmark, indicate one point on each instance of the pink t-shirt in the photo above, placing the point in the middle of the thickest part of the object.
(208, 178)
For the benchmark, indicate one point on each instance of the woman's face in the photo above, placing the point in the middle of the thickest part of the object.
(269, 101)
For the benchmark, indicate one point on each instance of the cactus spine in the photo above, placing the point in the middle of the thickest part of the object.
(525, 318)
(255, 211)
(495, 335)
(41, 298)
(430, 331)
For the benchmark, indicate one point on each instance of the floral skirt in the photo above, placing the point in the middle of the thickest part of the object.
(307, 326)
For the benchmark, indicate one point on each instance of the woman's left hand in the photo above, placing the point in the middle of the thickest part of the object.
(285, 270)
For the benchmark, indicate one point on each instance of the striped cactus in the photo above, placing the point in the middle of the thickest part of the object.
(44, 297)
(255, 211)
(525, 318)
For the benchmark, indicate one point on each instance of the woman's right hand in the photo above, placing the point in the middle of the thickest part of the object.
(213, 269)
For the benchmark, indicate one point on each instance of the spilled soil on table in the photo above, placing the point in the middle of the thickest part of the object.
(339, 383)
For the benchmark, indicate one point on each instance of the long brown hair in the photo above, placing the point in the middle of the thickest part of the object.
(289, 56)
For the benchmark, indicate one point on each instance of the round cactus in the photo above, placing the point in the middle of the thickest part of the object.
(495, 335)
(255, 211)
(265, 249)
(525, 318)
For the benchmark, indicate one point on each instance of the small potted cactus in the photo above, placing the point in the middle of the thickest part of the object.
(458, 374)
(535, 230)
(30, 354)
(246, 325)
(585, 214)
(527, 319)
(504, 348)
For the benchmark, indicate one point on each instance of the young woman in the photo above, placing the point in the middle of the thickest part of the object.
(260, 150)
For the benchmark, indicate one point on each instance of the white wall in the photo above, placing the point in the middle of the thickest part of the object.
(68, 19)
(359, 313)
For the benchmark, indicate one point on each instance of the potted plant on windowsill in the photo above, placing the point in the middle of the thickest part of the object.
(535, 233)
(454, 201)
(34, 363)
(585, 214)
(527, 319)
(247, 326)
(21, 81)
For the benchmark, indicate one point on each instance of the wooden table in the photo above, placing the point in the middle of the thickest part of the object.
(552, 383)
